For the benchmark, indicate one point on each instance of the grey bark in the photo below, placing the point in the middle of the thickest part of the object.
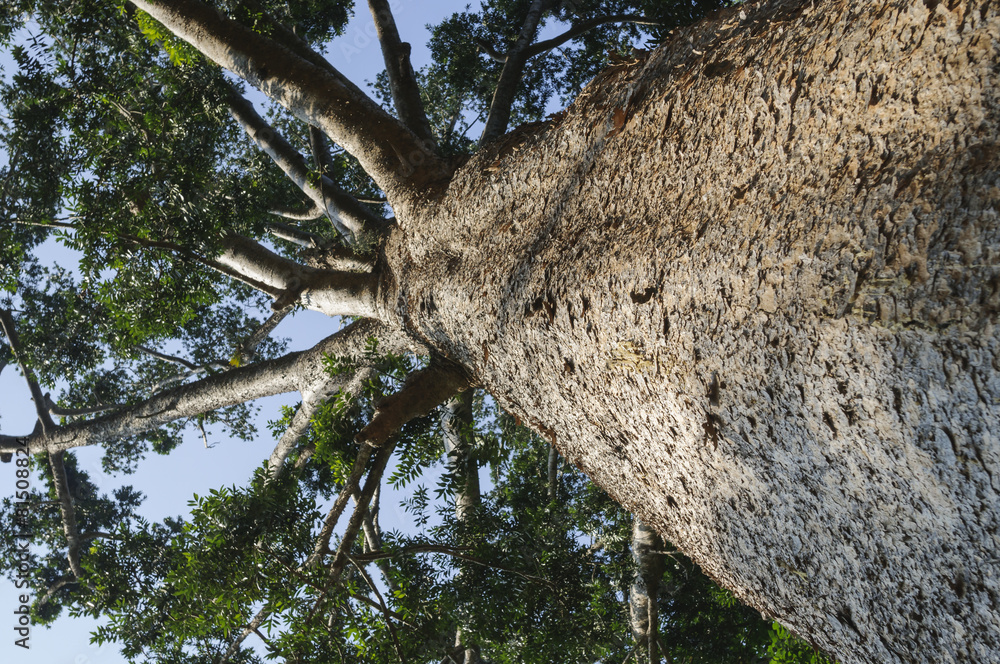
(315, 93)
(402, 81)
(344, 211)
(294, 371)
(749, 285)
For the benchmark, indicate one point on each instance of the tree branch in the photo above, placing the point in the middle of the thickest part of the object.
(67, 512)
(357, 517)
(297, 214)
(285, 374)
(541, 47)
(172, 359)
(402, 80)
(58, 411)
(329, 292)
(9, 329)
(510, 76)
(318, 95)
(350, 488)
(251, 627)
(422, 392)
(341, 257)
(347, 215)
(487, 48)
(247, 351)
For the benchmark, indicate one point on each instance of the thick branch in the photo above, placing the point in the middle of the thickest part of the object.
(318, 95)
(353, 527)
(349, 489)
(298, 214)
(247, 351)
(349, 216)
(402, 80)
(285, 374)
(421, 393)
(335, 256)
(67, 511)
(510, 76)
(326, 291)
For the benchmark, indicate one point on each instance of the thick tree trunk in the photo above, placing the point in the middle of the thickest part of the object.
(750, 285)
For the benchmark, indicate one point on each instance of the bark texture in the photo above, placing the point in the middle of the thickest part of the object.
(750, 285)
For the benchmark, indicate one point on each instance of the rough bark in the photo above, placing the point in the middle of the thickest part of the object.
(316, 94)
(750, 285)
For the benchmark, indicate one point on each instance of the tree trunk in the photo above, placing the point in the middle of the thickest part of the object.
(457, 424)
(647, 555)
(750, 285)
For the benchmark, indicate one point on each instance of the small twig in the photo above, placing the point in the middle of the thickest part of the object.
(382, 606)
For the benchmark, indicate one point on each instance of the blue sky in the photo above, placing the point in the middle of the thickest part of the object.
(169, 482)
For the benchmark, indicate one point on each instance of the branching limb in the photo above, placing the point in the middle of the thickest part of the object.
(349, 216)
(386, 613)
(67, 511)
(402, 80)
(487, 48)
(10, 330)
(319, 95)
(286, 374)
(421, 393)
(172, 359)
(298, 214)
(513, 71)
(329, 292)
(248, 349)
(46, 427)
(296, 235)
(543, 46)
(349, 489)
(353, 527)
(333, 256)
(59, 411)
(312, 397)
(56, 587)
(299, 426)
(251, 627)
